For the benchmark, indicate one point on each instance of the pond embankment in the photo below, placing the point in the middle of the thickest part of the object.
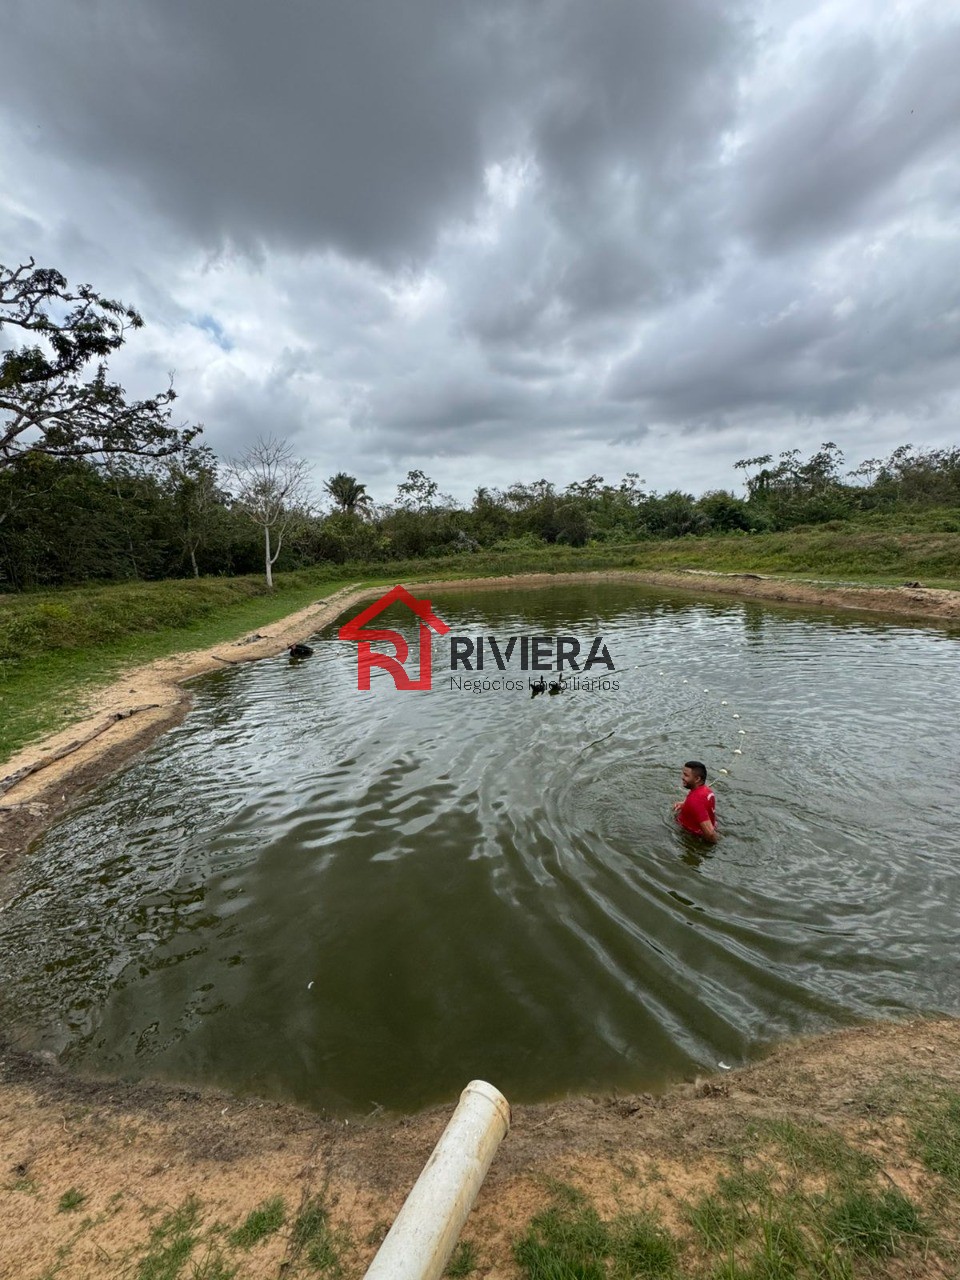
(843, 1150)
(121, 717)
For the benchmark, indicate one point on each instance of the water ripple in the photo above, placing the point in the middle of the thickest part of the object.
(349, 897)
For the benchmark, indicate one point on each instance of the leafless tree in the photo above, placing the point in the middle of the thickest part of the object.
(270, 485)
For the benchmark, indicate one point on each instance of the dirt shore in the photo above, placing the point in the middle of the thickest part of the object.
(121, 718)
(137, 1152)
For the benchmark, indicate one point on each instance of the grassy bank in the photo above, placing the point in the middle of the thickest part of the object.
(55, 644)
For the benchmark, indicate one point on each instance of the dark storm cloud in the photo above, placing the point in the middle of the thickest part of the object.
(301, 123)
(362, 125)
(622, 108)
(521, 233)
(452, 410)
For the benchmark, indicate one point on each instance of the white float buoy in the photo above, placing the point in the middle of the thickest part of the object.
(724, 770)
(737, 751)
(723, 703)
(741, 731)
(736, 715)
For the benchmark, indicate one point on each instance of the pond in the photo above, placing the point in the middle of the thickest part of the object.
(360, 899)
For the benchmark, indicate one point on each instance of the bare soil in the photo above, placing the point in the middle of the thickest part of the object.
(138, 1151)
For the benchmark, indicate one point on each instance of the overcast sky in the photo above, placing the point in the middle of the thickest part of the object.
(506, 239)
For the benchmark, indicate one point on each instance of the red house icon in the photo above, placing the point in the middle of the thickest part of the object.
(356, 629)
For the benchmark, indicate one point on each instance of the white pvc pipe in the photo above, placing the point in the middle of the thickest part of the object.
(422, 1238)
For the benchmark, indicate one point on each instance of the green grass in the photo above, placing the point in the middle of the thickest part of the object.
(937, 1137)
(71, 1200)
(41, 693)
(213, 1266)
(809, 1147)
(22, 1184)
(182, 1246)
(798, 1203)
(871, 1224)
(874, 554)
(720, 1221)
(867, 556)
(641, 1247)
(569, 1241)
(171, 1243)
(463, 1260)
(260, 1223)
(313, 1239)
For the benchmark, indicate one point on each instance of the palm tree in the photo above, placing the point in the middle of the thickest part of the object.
(347, 492)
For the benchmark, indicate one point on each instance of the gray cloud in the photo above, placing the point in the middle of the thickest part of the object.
(865, 118)
(885, 333)
(355, 124)
(521, 238)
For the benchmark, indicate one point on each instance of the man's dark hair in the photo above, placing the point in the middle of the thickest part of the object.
(699, 769)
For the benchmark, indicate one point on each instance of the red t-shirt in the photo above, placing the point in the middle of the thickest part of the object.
(699, 806)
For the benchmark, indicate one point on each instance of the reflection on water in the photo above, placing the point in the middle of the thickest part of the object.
(352, 898)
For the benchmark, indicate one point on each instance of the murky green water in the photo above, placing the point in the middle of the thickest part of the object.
(351, 899)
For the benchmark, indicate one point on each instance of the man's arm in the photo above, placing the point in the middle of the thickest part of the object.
(709, 831)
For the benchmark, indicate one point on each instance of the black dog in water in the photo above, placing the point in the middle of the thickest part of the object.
(300, 651)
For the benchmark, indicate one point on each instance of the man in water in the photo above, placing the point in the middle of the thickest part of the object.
(698, 812)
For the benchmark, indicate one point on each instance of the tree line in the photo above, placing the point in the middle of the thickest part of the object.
(94, 486)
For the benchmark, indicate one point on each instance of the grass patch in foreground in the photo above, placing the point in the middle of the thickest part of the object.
(260, 1223)
(569, 1241)
(817, 1147)
(213, 1266)
(70, 1200)
(183, 1245)
(463, 1260)
(171, 1243)
(937, 1137)
(798, 1204)
(313, 1239)
(870, 1224)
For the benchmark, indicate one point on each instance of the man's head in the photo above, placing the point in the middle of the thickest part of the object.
(694, 774)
